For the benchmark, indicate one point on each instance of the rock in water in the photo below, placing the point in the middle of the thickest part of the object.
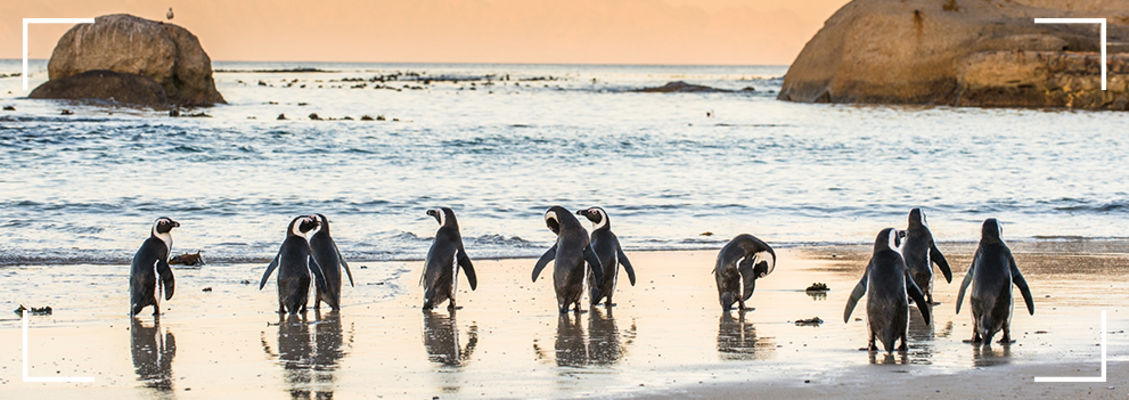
(101, 84)
(965, 53)
(165, 53)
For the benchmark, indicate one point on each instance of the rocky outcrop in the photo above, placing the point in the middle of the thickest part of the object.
(680, 87)
(129, 89)
(965, 53)
(127, 45)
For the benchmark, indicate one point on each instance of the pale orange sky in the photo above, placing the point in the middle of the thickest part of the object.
(518, 31)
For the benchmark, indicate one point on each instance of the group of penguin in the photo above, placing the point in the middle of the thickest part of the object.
(899, 269)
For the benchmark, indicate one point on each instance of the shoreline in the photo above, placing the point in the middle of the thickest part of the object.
(1078, 245)
(665, 334)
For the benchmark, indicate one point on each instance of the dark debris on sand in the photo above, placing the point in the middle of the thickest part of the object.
(817, 287)
(813, 321)
(45, 310)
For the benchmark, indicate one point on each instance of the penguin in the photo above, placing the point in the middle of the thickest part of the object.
(169, 15)
(740, 263)
(606, 246)
(886, 284)
(440, 273)
(992, 273)
(295, 264)
(152, 259)
(920, 253)
(329, 258)
(569, 254)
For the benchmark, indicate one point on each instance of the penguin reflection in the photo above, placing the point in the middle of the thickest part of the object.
(987, 356)
(737, 340)
(441, 339)
(304, 363)
(570, 347)
(603, 338)
(152, 354)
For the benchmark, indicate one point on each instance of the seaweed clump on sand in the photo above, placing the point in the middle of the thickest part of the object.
(813, 321)
(45, 310)
(817, 287)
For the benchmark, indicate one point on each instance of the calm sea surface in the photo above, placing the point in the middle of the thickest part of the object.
(501, 143)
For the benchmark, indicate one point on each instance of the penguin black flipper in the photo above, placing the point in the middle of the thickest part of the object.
(626, 265)
(165, 272)
(344, 264)
(967, 281)
(468, 268)
(270, 269)
(918, 297)
(860, 290)
(942, 264)
(544, 260)
(318, 275)
(594, 263)
(1017, 279)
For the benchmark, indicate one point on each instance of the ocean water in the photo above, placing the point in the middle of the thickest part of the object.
(501, 143)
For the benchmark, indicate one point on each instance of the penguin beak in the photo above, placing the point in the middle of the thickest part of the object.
(581, 212)
(175, 224)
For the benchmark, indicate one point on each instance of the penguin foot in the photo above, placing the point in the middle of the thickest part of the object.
(936, 303)
(1006, 341)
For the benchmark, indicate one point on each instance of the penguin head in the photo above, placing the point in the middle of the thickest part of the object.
(917, 218)
(164, 225)
(323, 222)
(991, 231)
(555, 216)
(597, 215)
(302, 225)
(444, 216)
(889, 239)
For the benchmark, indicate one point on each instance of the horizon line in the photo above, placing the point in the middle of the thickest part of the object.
(642, 64)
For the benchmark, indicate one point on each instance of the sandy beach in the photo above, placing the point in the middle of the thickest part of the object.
(666, 338)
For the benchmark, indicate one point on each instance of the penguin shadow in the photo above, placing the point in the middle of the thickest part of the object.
(152, 355)
(737, 339)
(309, 362)
(988, 356)
(570, 346)
(604, 345)
(441, 340)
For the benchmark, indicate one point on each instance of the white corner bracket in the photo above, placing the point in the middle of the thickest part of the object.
(49, 379)
(1100, 21)
(1081, 379)
(54, 21)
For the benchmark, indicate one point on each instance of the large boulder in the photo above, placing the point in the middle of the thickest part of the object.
(130, 89)
(963, 52)
(165, 53)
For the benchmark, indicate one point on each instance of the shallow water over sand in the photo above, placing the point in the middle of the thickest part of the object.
(666, 333)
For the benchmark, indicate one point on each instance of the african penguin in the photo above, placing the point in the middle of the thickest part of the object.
(152, 259)
(739, 264)
(570, 253)
(295, 263)
(992, 273)
(327, 255)
(606, 246)
(920, 253)
(440, 273)
(886, 285)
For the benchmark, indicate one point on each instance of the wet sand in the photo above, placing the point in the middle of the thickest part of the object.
(667, 337)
